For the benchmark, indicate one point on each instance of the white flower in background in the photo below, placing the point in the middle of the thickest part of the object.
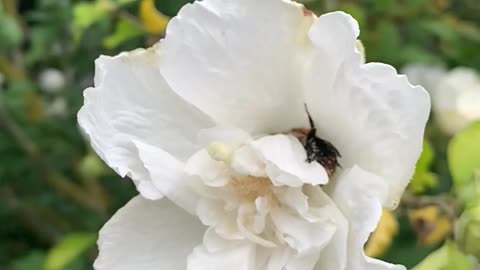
(456, 101)
(425, 75)
(213, 118)
(57, 107)
(455, 94)
(51, 80)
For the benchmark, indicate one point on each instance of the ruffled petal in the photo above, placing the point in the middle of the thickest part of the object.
(239, 61)
(286, 161)
(372, 115)
(239, 256)
(132, 101)
(360, 195)
(168, 176)
(148, 235)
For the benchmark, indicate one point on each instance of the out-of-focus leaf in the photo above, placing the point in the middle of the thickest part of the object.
(32, 261)
(124, 2)
(467, 231)
(10, 33)
(448, 257)
(424, 179)
(124, 30)
(85, 14)
(154, 21)
(171, 7)
(464, 156)
(385, 5)
(440, 29)
(92, 166)
(41, 38)
(69, 249)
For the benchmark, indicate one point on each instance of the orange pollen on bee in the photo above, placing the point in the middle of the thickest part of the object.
(249, 188)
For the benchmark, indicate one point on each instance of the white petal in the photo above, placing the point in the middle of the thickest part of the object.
(167, 174)
(247, 162)
(148, 235)
(239, 61)
(236, 257)
(301, 235)
(286, 159)
(131, 101)
(372, 115)
(213, 173)
(360, 195)
(231, 136)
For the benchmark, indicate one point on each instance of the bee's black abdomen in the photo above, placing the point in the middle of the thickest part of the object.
(321, 151)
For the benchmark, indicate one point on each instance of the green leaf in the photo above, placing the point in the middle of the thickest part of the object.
(32, 261)
(423, 178)
(448, 257)
(69, 249)
(10, 33)
(124, 31)
(85, 14)
(125, 2)
(464, 156)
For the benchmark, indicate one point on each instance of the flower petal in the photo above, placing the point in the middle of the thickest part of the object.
(286, 159)
(132, 101)
(147, 235)
(372, 115)
(168, 176)
(236, 257)
(242, 60)
(360, 195)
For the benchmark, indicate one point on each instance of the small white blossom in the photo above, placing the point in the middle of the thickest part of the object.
(456, 101)
(428, 76)
(57, 107)
(455, 94)
(51, 80)
(208, 124)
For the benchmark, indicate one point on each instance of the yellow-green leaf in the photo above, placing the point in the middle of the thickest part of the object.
(70, 248)
(124, 31)
(464, 156)
(423, 178)
(448, 257)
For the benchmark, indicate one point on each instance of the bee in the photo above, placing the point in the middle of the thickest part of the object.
(317, 149)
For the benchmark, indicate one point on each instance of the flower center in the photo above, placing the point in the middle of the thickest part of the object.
(249, 188)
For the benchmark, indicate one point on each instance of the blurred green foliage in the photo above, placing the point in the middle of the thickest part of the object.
(55, 194)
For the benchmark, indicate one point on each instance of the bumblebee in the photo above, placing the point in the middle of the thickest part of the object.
(317, 149)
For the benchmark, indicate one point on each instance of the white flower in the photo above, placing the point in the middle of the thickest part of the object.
(209, 118)
(51, 80)
(425, 75)
(58, 107)
(456, 101)
(455, 94)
